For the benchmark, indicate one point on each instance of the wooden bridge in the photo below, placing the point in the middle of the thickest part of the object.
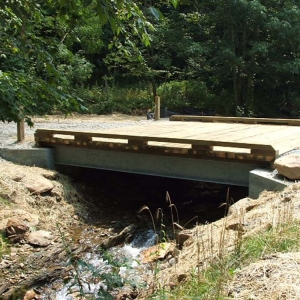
(212, 149)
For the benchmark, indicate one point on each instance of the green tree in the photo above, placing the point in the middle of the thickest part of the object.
(250, 53)
(37, 67)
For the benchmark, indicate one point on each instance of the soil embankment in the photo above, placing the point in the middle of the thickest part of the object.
(70, 208)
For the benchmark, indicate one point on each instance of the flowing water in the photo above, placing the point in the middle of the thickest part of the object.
(100, 271)
(116, 198)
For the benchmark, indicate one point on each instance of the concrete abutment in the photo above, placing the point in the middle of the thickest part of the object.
(259, 179)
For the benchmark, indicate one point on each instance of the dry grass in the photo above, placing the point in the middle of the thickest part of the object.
(276, 276)
(60, 205)
(220, 252)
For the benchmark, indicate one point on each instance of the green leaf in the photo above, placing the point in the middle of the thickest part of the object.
(156, 13)
(174, 3)
(113, 25)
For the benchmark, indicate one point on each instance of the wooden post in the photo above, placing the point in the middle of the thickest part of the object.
(21, 130)
(157, 108)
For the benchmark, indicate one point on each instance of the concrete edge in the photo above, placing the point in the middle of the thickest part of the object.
(263, 180)
(39, 157)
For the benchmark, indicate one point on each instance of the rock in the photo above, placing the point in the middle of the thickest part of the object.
(16, 230)
(30, 220)
(237, 226)
(289, 166)
(242, 206)
(183, 236)
(126, 293)
(120, 238)
(156, 252)
(172, 261)
(40, 238)
(30, 295)
(38, 185)
(51, 175)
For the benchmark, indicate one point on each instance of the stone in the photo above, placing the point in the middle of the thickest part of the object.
(30, 295)
(288, 166)
(242, 206)
(183, 236)
(38, 185)
(155, 252)
(126, 293)
(40, 238)
(236, 226)
(16, 230)
(258, 229)
(120, 238)
(29, 219)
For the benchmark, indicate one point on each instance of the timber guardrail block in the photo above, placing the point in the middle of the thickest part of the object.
(244, 120)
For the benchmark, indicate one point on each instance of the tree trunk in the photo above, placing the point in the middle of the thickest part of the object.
(21, 130)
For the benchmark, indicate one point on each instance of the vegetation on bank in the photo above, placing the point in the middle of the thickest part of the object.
(212, 282)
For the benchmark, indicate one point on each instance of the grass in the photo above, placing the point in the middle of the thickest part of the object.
(212, 282)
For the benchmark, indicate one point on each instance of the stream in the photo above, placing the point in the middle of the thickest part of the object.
(104, 275)
(115, 199)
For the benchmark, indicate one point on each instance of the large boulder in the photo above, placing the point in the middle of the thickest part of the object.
(289, 166)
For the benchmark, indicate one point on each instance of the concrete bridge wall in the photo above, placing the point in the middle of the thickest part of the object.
(230, 173)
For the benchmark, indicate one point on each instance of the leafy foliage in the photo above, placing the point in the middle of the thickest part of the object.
(241, 57)
(38, 60)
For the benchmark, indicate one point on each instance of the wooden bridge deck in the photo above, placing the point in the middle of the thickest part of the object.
(230, 139)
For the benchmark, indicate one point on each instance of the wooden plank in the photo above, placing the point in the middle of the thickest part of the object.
(80, 137)
(137, 142)
(289, 122)
(215, 140)
(157, 108)
(254, 145)
(21, 130)
(274, 137)
(230, 133)
(202, 148)
(183, 130)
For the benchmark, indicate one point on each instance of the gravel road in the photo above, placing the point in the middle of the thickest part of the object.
(8, 131)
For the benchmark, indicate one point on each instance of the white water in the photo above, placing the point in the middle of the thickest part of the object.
(131, 271)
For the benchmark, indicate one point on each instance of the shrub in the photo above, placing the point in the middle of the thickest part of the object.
(105, 100)
(178, 94)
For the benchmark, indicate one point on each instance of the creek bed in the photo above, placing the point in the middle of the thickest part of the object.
(195, 202)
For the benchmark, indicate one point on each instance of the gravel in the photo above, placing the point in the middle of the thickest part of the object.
(8, 131)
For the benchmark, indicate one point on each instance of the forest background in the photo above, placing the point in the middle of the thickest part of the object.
(235, 57)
